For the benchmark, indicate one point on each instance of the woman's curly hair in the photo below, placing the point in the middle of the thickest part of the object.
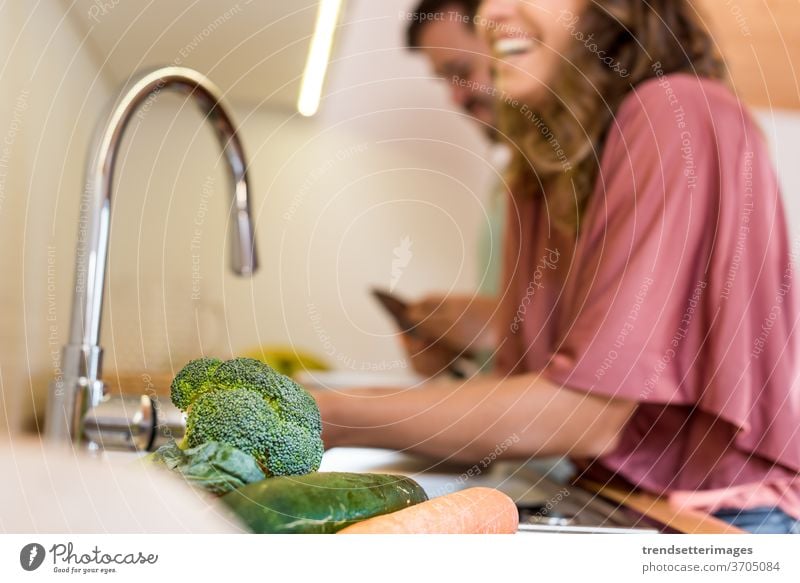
(557, 146)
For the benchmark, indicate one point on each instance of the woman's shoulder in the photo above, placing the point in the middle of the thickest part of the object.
(681, 97)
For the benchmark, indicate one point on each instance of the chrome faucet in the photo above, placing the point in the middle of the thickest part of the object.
(81, 388)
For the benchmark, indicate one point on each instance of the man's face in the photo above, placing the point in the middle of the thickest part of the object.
(461, 57)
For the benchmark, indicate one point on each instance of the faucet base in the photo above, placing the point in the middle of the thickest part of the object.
(67, 403)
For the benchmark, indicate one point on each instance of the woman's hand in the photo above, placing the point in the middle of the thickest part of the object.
(446, 325)
(427, 357)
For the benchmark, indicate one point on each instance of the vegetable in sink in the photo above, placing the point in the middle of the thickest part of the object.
(248, 405)
(322, 502)
(253, 435)
(215, 467)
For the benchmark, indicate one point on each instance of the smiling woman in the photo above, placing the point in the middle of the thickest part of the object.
(580, 62)
(636, 354)
(676, 252)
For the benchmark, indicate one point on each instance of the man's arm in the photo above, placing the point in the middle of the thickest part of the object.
(464, 421)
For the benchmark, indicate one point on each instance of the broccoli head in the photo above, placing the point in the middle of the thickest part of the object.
(192, 380)
(248, 405)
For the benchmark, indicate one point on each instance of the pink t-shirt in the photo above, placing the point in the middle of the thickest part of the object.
(678, 293)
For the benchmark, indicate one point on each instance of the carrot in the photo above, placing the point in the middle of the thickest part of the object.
(470, 511)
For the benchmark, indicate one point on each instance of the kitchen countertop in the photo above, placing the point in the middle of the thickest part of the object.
(548, 503)
(520, 481)
(541, 488)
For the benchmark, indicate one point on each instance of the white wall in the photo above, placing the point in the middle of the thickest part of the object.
(49, 102)
(387, 158)
(782, 129)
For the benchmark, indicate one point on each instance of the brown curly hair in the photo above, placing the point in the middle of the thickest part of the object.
(559, 154)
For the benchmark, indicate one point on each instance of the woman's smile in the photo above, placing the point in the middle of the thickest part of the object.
(528, 43)
(512, 47)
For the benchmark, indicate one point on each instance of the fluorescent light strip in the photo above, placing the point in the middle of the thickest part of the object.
(318, 56)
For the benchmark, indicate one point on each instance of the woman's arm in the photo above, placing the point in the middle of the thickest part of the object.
(466, 421)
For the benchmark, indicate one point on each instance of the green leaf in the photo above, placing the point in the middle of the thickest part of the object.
(215, 467)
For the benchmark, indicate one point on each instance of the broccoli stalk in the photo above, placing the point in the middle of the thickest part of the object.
(250, 406)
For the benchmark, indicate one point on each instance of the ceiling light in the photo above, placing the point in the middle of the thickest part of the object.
(318, 57)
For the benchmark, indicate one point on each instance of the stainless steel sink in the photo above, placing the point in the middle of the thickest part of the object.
(570, 509)
(546, 501)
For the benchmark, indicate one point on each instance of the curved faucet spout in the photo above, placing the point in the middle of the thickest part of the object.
(85, 327)
(81, 386)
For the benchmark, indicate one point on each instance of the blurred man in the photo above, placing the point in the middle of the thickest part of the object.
(443, 31)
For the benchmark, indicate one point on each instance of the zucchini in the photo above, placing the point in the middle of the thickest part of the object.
(321, 502)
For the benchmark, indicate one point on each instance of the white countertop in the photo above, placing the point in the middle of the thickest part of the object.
(519, 480)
